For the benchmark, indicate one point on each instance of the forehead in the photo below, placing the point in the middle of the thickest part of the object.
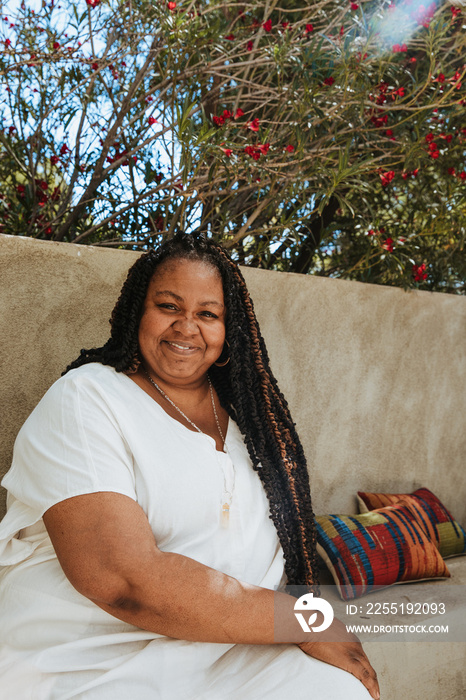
(187, 274)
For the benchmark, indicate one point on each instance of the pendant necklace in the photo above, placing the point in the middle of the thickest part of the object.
(227, 495)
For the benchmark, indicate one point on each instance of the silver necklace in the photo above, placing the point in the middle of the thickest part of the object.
(159, 389)
(228, 495)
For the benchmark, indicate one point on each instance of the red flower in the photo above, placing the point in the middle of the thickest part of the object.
(21, 189)
(93, 3)
(440, 79)
(7, 42)
(289, 148)
(267, 26)
(285, 25)
(388, 245)
(389, 133)
(239, 113)
(379, 121)
(396, 48)
(433, 150)
(64, 149)
(152, 120)
(455, 11)
(56, 45)
(462, 175)
(354, 6)
(419, 272)
(371, 232)
(254, 125)
(171, 6)
(329, 81)
(252, 151)
(230, 37)
(264, 148)
(249, 45)
(94, 66)
(227, 152)
(452, 171)
(423, 15)
(308, 29)
(219, 121)
(400, 92)
(429, 138)
(387, 177)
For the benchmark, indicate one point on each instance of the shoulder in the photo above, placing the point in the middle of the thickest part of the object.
(81, 394)
(88, 379)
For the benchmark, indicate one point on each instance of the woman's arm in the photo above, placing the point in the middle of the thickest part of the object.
(108, 552)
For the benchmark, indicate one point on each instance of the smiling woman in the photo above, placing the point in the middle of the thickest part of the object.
(181, 335)
(158, 497)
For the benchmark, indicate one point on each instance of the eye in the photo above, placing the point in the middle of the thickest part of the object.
(208, 314)
(170, 307)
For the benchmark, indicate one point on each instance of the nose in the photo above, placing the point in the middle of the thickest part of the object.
(186, 325)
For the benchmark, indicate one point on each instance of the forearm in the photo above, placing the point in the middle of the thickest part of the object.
(181, 598)
(123, 571)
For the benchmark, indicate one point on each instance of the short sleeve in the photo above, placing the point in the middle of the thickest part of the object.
(71, 444)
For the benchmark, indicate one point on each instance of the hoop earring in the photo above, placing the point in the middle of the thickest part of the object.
(223, 364)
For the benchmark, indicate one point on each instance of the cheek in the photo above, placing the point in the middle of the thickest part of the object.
(220, 340)
(149, 329)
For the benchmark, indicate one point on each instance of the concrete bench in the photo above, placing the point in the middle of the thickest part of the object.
(374, 377)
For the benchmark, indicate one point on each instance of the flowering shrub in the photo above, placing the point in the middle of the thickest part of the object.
(304, 129)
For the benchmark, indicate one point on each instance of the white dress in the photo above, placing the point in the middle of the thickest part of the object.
(96, 430)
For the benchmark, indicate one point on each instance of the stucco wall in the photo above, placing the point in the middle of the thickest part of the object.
(374, 376)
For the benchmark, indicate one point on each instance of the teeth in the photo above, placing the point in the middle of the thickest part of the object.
(182, 347)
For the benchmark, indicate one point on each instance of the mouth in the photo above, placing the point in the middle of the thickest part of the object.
(180, 347)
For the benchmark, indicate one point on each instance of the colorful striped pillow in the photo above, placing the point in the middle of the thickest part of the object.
(449, 536)
(385, 546)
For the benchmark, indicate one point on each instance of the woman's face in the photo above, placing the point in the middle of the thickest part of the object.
(182, 328)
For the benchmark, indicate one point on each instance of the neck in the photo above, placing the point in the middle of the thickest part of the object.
(188, 394)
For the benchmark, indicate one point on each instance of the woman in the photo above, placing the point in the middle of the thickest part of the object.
(158, 495)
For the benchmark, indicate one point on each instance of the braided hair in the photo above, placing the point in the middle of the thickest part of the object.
(246, 388)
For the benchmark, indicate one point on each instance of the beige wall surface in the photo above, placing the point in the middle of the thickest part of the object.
(374, 375)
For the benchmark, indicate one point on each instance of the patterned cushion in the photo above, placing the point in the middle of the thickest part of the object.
(385, 546)
(449, 536)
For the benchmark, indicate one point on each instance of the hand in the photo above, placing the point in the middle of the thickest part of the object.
(338, 647)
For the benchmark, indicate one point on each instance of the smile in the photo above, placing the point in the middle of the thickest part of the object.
(180, 347)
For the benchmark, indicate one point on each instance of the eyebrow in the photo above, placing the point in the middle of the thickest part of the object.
(167, 292)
